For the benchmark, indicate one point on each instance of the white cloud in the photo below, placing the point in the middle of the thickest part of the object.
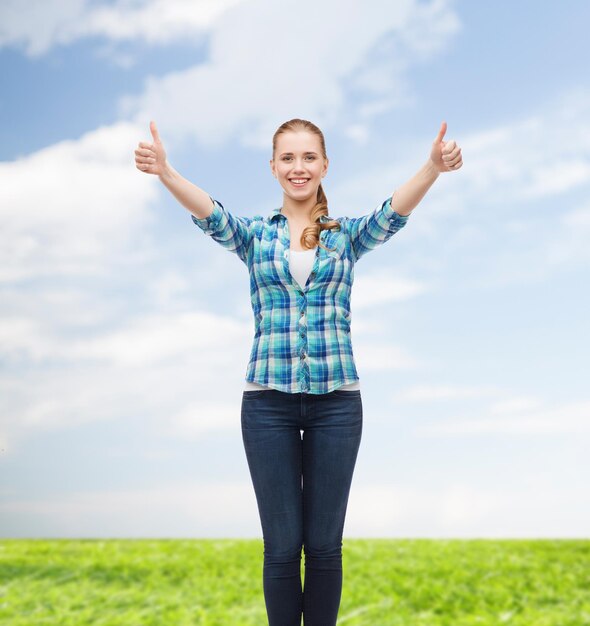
(578, 218)
(228, 509)
(43, 24)
(507, 170)
(534, 157)
(198, 418)
(190, 350)
(71, 208)
(166, 510)
(381, 510)
(379, 287)
(532, 172)
(358, 133)
(430, 393)
(108, 374)
(158, 338)
(156, 22)
(569, 248)
(40, 24)
(146, 340)
(258, 76)
(382, 356)
(521, 416)
(515, 405)
(465, 510)
(75, 207)
(516, 212)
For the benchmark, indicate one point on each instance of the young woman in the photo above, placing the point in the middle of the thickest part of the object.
(301, 413)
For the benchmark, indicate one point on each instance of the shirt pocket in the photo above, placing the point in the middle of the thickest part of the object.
(268, 263)
(335, 265)
(336, 244)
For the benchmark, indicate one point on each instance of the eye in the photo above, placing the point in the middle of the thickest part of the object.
(309, 156)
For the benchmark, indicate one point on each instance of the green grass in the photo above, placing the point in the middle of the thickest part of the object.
(212, 582)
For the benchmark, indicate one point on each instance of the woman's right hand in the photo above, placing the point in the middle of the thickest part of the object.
(151, 157)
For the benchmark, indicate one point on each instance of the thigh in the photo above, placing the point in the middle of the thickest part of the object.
(331, 441)
(272, 442)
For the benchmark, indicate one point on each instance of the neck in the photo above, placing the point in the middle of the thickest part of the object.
(298, 211)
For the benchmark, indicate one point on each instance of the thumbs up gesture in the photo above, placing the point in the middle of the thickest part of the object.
(445, 155)
(151, 157)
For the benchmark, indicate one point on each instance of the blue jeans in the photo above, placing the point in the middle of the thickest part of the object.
(302, 483)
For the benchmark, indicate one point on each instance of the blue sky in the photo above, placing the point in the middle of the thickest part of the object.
(125, 331)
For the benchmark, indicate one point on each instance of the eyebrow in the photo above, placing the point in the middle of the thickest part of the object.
(291, 154)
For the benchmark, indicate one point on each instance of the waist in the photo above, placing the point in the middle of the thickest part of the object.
(250, 386)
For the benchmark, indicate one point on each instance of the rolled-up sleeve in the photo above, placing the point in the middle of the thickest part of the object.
(374, 229)
(230, 231)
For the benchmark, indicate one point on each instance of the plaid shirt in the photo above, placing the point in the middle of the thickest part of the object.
(302, 338)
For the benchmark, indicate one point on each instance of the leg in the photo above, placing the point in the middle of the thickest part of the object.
(272, 441)
(330, 445)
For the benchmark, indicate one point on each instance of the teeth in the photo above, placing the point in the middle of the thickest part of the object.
(299, 180)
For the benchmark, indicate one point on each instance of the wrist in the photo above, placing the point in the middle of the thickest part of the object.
(167, 172)
(432, 169)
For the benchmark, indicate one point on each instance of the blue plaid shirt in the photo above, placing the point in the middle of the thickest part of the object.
(302, 337)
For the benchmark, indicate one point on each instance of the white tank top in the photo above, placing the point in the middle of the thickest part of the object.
(300, 264)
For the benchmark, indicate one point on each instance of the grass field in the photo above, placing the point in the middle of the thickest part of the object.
(214, 582)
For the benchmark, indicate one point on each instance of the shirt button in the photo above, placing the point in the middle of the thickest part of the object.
(302, 334)
(301, 313)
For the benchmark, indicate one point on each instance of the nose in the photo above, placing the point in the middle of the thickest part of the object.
(298, 167)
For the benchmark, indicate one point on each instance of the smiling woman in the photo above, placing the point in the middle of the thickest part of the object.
(302, 411)
(299, 163)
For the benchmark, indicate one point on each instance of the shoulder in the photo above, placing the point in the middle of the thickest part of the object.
(341, 222)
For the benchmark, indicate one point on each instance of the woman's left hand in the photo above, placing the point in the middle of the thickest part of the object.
(445, 155)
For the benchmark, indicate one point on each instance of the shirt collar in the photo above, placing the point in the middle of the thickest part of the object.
(276, 212)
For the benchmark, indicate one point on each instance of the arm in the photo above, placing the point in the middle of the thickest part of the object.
(193, 198)
(232, 232)
(374, 229)
(150, 158)
(445, 156)
(408, 195)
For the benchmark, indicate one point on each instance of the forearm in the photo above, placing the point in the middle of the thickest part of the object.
(193, 198)
(408, 195)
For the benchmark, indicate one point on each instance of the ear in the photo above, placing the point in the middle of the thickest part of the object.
(272, 167)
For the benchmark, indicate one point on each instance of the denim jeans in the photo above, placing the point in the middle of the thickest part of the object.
(302, 483)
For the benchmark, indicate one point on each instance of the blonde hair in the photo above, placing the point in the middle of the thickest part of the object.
(310, 237)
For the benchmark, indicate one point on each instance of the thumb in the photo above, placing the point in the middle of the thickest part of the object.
(154, 131)
(441, 132)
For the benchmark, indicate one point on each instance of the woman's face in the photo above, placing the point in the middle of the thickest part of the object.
(298, 156)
